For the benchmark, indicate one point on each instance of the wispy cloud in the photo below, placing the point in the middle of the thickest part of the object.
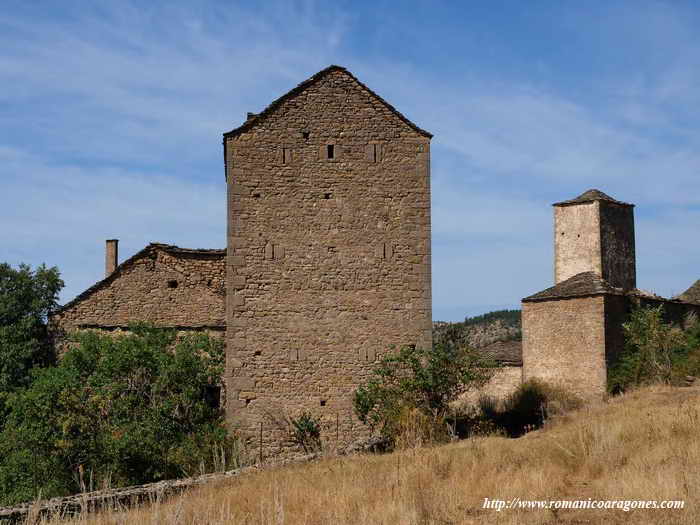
(111, 118)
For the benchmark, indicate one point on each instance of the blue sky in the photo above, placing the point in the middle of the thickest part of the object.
(111, 116)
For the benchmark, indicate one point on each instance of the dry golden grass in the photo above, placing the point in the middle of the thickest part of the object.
(642, 446)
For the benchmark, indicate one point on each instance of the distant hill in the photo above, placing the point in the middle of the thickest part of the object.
(481, 330)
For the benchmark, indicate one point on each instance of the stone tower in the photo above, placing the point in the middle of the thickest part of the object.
(328, 258)
(595, 233)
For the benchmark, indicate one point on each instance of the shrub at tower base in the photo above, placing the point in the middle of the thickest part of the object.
(656, 351)
(408, 397)
(115, 411)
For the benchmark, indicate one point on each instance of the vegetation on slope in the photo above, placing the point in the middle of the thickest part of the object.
(115, 411)
(639, 446)
(656, 351)
(481, 330)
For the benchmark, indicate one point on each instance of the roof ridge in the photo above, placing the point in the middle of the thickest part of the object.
(257, 118)
(591, 195)
(129, 262)
(579, 285)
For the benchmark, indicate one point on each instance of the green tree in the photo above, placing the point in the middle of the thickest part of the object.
(653, 350)
(27, 297)
(416, 385)
(116, 410)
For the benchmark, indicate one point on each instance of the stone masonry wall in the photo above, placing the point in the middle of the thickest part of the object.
(564, 343)
(328, 258)
(167, 288)
(576, 240)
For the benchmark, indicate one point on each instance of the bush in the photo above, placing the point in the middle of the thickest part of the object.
(415, 386)
(307, 432)
(115, 411)
(655, 351)
(532, 403)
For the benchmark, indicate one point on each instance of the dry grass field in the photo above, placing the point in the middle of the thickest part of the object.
(641, 446)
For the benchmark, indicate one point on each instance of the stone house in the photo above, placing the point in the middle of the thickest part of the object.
(572, 331)
(328, 253)
(327, 261)
(165, 285)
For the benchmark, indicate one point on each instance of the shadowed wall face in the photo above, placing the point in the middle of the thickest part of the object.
(618, 262)
(328, 255)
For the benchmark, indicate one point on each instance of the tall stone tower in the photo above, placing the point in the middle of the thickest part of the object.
(572, 330)
(595, 233)
(328, 258)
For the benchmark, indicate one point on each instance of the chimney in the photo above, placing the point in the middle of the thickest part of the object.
(111, 256)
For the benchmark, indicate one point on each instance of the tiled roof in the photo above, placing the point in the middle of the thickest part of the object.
(692, 294)
(590, 196)
(582, 284)
(508, 353)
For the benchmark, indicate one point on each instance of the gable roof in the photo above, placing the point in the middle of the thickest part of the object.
(145, 252)
(692, 294)
(580, 285)
(590, 196)
(254, 120)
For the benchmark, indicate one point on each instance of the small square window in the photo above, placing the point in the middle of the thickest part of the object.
(323, 402)
(172, 283)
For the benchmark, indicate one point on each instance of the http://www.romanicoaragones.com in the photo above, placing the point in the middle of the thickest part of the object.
(590, 503)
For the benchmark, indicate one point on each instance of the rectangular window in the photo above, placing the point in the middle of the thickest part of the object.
(286, 156)
(374, 152)
(330, 151)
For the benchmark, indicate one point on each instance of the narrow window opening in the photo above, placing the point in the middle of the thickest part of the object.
(286, 156)
(172, 283)
(257, 352)
(374, 153)
(256, 195)
(323, 402)
(247, 401)
(209, 282)
(327, 195)
(330, 151)
(305, 135)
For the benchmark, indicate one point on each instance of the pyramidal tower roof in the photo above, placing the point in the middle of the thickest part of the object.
(590, 196)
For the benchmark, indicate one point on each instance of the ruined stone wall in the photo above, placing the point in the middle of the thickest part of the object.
(160, 287)
(564, 343)
(328, 258)
(675, 312)
(617, 244)
(576, 240)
